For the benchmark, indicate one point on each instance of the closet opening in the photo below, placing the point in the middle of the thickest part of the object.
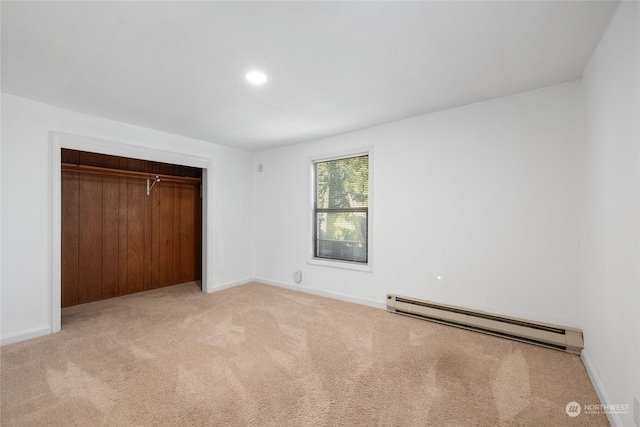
(127, 226)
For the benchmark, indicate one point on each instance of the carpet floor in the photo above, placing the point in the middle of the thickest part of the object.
(257, 355)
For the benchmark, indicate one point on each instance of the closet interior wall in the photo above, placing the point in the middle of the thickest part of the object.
(118, 240)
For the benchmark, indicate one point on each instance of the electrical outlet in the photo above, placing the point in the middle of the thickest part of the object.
(636, 411)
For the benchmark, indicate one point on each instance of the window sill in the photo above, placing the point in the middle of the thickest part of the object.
(341, 264)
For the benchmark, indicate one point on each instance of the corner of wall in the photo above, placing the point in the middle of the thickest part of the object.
(610, 202)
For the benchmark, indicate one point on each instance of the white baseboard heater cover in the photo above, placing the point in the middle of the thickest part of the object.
(542, 334)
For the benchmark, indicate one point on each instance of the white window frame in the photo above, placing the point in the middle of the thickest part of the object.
(349, 265)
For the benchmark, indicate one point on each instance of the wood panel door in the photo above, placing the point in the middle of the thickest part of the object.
(118, 240)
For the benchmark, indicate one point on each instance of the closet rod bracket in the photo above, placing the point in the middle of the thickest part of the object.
(150, 186)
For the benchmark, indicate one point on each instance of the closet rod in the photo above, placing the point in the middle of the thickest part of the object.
(70, 167)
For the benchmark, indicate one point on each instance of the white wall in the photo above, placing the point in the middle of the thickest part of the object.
(484, 196)
(610, 273)
(27, 228)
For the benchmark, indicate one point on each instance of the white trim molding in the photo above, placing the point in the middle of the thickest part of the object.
(231, 284)
(322, 293)
(46, 330)
(614, 419)
(25, 335)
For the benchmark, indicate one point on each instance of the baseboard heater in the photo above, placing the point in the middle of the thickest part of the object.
(542, 334)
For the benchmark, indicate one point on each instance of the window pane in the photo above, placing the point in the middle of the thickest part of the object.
(343, 183)
(342, 235)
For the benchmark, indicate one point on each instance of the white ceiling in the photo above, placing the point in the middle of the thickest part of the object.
(333, 66)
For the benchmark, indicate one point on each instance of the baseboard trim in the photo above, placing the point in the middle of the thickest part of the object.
(322, 293)
(46, 330)
(614, 419)
(231, 285)
(25, 335)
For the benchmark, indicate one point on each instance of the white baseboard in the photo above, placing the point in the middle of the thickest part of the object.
(614, 419)
(230, 285)
(322, 293)
(25, 335)
(46, 330)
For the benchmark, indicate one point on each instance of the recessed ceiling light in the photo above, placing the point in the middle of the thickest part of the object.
(256, 77)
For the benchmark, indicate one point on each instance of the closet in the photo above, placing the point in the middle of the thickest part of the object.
(128, 225)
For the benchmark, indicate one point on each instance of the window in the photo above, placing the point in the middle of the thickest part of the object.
(341, 209)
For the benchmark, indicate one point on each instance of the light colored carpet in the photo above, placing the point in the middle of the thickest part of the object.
(257, 355)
